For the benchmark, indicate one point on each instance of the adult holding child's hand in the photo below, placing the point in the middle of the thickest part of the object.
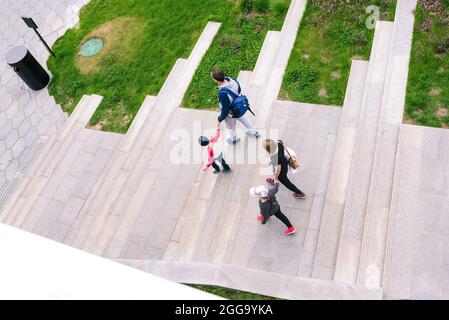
(233, 105)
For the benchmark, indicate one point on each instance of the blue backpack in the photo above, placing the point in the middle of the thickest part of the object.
(240, 103)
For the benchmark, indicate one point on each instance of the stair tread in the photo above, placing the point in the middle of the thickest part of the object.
(335, 197)
(382, 175)
(246, 279)
(356, 201)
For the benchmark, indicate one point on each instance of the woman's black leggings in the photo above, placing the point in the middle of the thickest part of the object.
(286, 181)
(283, 218)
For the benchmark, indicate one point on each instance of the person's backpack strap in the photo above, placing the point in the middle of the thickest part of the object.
(293, 161)
(249, 109)
(230, 92)
(238, 83)
(285, 148)
(282, 143)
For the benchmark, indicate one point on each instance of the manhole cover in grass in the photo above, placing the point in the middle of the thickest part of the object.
(91, 47)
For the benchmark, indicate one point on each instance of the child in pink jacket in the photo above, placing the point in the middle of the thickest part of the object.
(213, 154)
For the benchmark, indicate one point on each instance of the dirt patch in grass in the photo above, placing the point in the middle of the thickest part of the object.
(283, 95)
(322, 93)
(118, 36)
(441, 112)
(356, 57)
(434, 92)
(113, 117)
(408, 121)
(336, 74)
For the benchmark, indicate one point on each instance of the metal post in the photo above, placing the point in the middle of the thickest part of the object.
(31, 24)
(45, 43)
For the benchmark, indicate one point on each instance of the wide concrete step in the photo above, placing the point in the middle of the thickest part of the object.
(255, 281)
(186, 237)
(416, 259)
(352, 225)
(38, 162)
(145, 185)
(330, 208)
(234, 235)
(139, 121)
(267, 57)
(244, 78)
(379, 200)
(313, 226)
(127, 154)
(58, 205)
(48, 161)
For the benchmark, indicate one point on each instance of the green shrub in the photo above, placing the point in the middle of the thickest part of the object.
(303, 76)
(280, 8)
(442, 46)
(260, 6)
(232, 42)
(247, 6)
(446, 4)
(302, 84)
(360, 38)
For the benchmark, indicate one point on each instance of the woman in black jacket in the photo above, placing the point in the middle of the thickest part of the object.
(276, 150)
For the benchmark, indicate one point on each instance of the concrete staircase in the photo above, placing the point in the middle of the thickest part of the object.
(323, 231)
(134, 172)
(119, 196)
(378, 210)
(106, 193)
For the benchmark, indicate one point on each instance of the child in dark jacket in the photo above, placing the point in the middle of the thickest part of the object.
(269, 206)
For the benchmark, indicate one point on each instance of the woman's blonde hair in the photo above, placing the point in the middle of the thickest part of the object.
(270, 146)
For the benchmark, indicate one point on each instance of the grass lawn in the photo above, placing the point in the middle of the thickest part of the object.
(232, 294)
(142, 40)
(428, 86)
(332, 33)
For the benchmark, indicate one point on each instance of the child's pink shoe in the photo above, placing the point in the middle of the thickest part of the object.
(260, 218)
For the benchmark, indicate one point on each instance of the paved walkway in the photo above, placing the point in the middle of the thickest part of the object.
(26, 115)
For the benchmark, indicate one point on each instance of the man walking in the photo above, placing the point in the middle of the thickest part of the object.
(233, 105)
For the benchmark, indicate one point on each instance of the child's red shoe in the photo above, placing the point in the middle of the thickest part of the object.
(290, 231)
(260, 218)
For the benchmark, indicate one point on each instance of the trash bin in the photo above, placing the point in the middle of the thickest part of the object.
(27, 67)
